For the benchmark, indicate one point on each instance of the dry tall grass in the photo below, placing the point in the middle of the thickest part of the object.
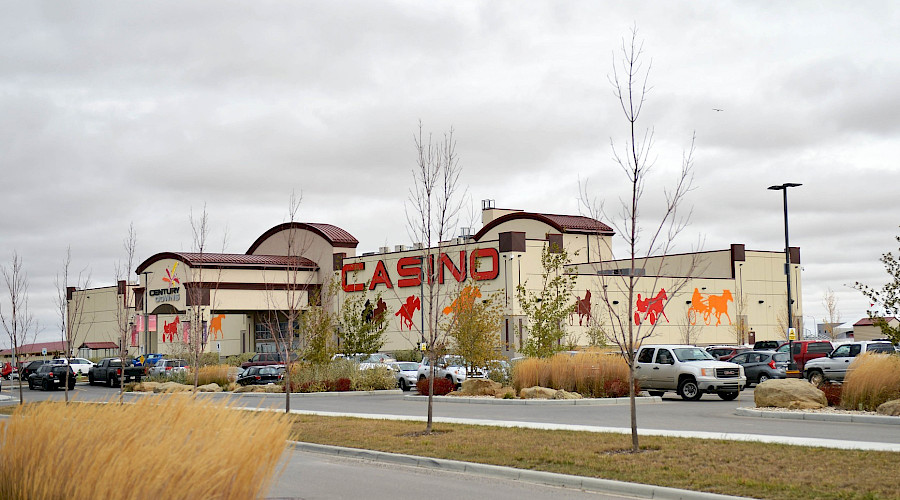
(216, 374)
(872, 379)
(166, 447)
(590, 373)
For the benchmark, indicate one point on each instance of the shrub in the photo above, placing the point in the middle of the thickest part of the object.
(237, 359)
(872, 379)
(238, 467)
(414, 355)
(216, 374)
(589, 373)
(374, 379)
(339, 385)
(442, 386)
(832, 392)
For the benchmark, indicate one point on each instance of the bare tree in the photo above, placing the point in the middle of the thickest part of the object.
(18, 321)
(739, 328)
(71, 310)
(688, 332)
(630, 83)
(125, 300)
(432, 214)
(832, 313)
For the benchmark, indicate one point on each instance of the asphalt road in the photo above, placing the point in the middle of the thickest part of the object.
(710, 414)
(315, 476)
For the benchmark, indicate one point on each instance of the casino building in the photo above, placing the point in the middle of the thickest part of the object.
(707, 295)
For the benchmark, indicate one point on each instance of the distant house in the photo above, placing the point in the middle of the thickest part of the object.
(865, 328)
(36, 351)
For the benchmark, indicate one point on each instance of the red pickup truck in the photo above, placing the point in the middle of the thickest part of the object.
(805, 350)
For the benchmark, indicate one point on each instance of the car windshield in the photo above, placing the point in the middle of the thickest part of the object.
(454, 361)
(782, 357)
(692, 354)
(268, 371)
(176, 363)
(408, 366)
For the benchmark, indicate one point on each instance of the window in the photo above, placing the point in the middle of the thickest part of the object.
(692, 354)
(663, 357)
(854, 350)
(740, 358)
(880, 348)
(646, 355)
(843, 352)
(752, 358)
(819, 347)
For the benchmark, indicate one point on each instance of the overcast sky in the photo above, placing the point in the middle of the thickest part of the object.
(119, 112)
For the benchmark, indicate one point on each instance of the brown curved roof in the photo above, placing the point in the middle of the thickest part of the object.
(334, 235)
(577, 224)
(231, 260)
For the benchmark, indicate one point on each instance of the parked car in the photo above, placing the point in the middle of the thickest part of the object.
(168, 367)
(111, 371)
(31, 367)
(688, 370)
(260, 375)
(147, 360)
(268, 358)
(406, 372)
(767, 345)
(805, 350)
(834, 366)
(377, 360)
(760, 366)
(80, 366)
(451, 367)
(6, 371)
(49, 377)
(725, 352)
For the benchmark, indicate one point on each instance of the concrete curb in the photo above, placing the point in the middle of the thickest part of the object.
(538, 402)
(511, 473)
(821, 417)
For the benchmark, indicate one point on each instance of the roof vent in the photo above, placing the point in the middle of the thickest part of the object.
(487, 204)
(417, 246)
(399, 248)
(384, 249)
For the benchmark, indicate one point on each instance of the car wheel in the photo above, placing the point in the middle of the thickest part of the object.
(815, 378)
(90, 379)
(45, 385)
(112, 381)
(689, 390)
(31, 385)
(728, 396)
(403, 385)
(421, 377)
(656, 393)
(762, 378)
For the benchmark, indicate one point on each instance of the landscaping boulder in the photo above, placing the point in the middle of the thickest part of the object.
(169, 387)
(537, 392)
(209, 388)
(890, 408)
(146, 387)
(790, 393)
(478, 387)
(505, 392)
(561, 394)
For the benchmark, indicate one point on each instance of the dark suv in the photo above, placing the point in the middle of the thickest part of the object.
(31, 367)
(267, 358)
(51, 376)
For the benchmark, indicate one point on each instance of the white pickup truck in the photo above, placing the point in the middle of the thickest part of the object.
(688, 370)
(834, 366)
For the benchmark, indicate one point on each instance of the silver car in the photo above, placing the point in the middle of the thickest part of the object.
(405, 372)
(168, 367)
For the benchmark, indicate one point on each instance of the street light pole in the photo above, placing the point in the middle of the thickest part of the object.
(792, 366)
(146, 315)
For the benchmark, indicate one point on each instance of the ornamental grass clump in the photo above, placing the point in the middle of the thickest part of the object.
(216, 374)
(872, 379)
(198, 449)
(589, 373)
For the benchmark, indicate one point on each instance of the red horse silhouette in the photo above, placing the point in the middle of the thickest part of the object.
(407, 310)
(652, 308)
(582, 308)
(380, 309)
(170, 330)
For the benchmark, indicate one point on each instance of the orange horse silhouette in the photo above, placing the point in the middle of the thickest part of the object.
(582, 308)
(715, 305)
(407, 310)
(652, 308)
(215, 326)
(170, 330)
(465, 300)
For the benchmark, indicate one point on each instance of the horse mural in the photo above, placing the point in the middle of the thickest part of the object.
(215, 326)
(465, 300)
(407, 309)
(378, 312)
(170, 330)
(582, 309)
(652, 308)
(712, 305)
